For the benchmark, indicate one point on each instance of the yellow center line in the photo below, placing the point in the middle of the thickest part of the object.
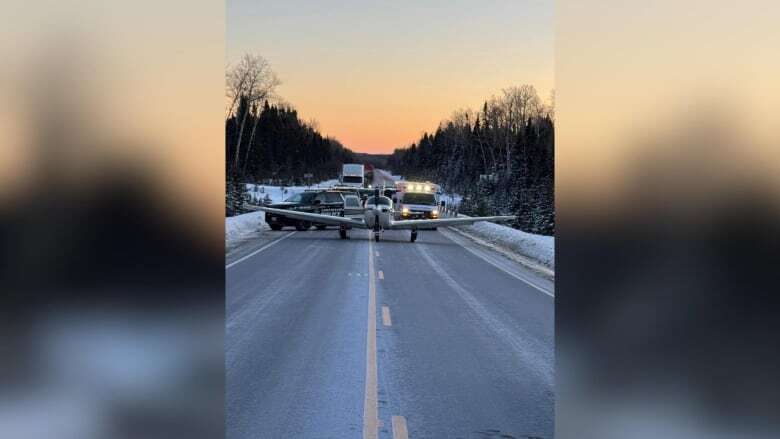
(386, 316)
(399, 428)
(370, 409)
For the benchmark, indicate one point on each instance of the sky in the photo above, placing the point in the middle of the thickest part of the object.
(377, 74)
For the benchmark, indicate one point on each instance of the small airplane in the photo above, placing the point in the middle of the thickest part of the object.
(378, 216)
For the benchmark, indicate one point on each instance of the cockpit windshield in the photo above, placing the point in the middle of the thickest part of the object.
(379, 201)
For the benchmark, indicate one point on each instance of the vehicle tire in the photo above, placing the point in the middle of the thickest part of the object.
(414, 236)
(302, 226)
(343, 234)
(276, 227)
(435, 228)
(321, 226)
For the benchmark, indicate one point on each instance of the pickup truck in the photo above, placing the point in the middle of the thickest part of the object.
(323, 202)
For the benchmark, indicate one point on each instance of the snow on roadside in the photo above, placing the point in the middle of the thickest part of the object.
(537, 247)
(451, 199)
(241, 227)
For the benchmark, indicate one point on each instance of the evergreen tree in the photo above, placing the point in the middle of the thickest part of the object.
(510, 143)
(279, 147)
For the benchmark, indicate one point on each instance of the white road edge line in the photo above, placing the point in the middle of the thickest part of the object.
(386, 320)
(259, 250)
(399, 428)
(514, 275)
(370, 406)
(521, 259)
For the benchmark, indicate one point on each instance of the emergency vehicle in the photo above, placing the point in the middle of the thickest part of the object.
(417, 200)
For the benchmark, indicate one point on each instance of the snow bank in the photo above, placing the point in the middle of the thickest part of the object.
(451, 199)
(537, 247)
(241, 227)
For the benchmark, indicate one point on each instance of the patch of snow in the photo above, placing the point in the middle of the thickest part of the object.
(537, 247)
(241, 227)
(385, 178)
(327, 183)
(451, 199)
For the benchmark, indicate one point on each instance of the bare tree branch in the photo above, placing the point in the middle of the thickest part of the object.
(252, 79)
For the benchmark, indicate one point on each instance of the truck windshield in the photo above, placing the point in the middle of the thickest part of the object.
(415, 198)
(352, 179)
(305, 197)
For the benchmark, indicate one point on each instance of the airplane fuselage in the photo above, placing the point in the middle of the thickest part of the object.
(378, 217)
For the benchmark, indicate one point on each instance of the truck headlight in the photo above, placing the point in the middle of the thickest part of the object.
(405, 210)
(434, 213)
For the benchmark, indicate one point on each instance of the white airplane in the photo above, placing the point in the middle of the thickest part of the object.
(378, 216)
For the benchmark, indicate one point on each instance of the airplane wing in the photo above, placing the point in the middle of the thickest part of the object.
(315, 217)
(412, 224)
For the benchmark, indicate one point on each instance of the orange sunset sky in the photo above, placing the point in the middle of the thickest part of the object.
(376, 75)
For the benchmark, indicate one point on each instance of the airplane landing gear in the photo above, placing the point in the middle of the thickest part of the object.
(377, 229)
(343, 233)
(414, 235)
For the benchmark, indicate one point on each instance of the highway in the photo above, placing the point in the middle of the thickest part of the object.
(331, 338)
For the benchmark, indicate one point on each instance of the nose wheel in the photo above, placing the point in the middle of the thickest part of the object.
(343, 233)
(377, 229)
(414, 235)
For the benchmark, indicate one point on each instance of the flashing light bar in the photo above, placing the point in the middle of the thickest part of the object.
(418, 187)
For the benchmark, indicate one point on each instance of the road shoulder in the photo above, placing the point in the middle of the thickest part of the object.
(530, 271)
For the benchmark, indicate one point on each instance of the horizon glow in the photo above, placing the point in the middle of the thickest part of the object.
(377, 76)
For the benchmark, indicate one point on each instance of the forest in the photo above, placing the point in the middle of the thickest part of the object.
(500, 159)
(267, 142)
(280, 147)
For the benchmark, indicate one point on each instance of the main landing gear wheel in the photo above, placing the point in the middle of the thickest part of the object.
(414, 235)
(302, 226)
(343, 234)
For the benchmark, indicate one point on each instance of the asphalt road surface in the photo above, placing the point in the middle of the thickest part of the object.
(441, 338)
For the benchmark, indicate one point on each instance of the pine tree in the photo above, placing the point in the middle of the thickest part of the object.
(515, 153)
